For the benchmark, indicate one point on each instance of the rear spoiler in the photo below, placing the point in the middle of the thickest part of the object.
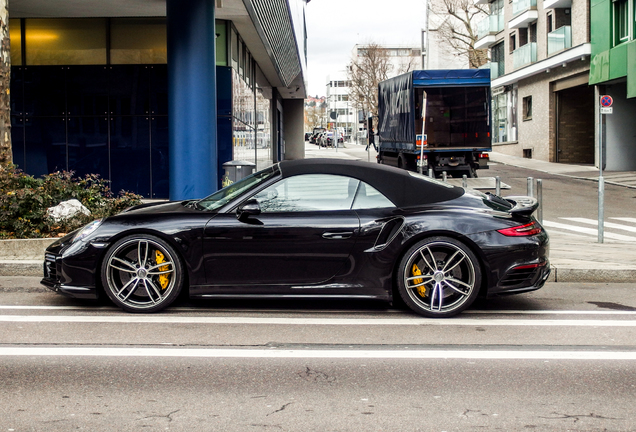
(522, 205)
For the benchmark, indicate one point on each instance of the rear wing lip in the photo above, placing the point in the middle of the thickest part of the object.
(523, 205)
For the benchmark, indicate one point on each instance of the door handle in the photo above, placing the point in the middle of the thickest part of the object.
(338, 235)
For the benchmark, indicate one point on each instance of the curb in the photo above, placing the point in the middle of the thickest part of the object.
(22, 268)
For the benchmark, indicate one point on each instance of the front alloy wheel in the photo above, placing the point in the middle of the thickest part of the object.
(439, 277)
(142, 273)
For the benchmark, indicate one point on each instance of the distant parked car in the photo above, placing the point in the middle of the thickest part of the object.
(315, 134)
(328, 138)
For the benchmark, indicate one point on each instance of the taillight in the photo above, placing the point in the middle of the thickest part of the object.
(530, 229)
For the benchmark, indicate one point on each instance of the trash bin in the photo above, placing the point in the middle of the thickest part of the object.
(236, 170)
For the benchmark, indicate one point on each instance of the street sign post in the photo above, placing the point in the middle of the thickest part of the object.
(605, 107)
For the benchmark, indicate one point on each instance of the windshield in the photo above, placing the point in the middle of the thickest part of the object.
(228, 193)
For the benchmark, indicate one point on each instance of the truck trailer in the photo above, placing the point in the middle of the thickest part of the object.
(436, 120)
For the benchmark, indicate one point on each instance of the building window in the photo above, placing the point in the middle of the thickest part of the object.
(527, 108)
(138, 41)
(497, 60)
(65, 41)
(549, 23)
(623, 26)
(532, 32)
(221, 43)
(513, 42)
(15, 35)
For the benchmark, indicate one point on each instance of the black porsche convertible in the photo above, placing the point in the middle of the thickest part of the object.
(311, 228)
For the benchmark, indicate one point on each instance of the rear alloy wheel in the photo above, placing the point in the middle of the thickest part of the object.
(439, 277)
(142, 273)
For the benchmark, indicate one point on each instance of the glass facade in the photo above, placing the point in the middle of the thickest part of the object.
(91, 96)
(251, 125)
(138, 41)
(111, 121)
(66, 41)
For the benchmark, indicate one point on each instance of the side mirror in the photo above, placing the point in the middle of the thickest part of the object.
(250, 208)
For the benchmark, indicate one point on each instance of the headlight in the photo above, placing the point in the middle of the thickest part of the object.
(87, 230)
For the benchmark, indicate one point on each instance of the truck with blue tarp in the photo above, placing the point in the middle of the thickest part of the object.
(436, 120)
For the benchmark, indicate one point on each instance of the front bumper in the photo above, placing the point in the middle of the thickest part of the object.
(72, 269)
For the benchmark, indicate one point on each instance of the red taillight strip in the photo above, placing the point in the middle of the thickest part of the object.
(530, 229)
(530, 266)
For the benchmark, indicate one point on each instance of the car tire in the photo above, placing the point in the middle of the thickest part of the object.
(142, 273)
(439, 277)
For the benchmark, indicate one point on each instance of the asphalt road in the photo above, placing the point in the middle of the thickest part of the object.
(560, 359)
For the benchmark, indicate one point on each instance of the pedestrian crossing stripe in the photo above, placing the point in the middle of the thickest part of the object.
(605, 224)
(582, 230)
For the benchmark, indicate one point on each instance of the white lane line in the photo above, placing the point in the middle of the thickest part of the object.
(324, 311)
(605, 223)
(625, 219)
(138, 319)
(589, 231)
(318, 354)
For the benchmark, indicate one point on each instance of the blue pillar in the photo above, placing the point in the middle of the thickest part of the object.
(192, 98)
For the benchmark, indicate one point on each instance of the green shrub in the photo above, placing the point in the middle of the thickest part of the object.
(25, 199)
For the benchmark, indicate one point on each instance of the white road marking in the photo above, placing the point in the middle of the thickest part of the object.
(415, 321)
(318, 354)
(605, 224)
(625, 219)
(590, 231)
(317, 311)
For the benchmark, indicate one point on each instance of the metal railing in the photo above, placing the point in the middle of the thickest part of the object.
(559, 39)
(490, 25)
(520, 6)
(524, 55)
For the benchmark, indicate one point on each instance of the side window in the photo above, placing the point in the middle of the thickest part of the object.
(309, 192)
(369, 197)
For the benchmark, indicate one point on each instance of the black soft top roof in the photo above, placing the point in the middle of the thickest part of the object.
(403, 188)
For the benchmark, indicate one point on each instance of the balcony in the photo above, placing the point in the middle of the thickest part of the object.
(559, 39)
(554, 4)
(523, 12)
(524, 55)
(487, 29)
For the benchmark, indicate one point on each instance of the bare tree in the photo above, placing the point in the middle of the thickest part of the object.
(315, 114)
(371, 66)
(458, 27)
(6, 156)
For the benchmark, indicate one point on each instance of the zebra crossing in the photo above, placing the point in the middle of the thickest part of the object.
(615, 228)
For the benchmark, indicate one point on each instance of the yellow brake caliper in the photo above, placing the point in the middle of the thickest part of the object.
(417, 272)
(164, 279)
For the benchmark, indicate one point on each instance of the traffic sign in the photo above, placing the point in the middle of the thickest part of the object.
(607, 110)
(606, 101)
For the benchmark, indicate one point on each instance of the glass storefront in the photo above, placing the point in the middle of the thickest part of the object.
(504, 116)
(251, 137)
(91, 95)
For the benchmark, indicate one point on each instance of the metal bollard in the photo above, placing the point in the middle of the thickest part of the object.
(530, 187)
(540, 199)
(498, 186)
(444, 176)
(464, 181)
(430, 172)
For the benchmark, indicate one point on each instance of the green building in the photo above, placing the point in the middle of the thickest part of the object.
(613, 71)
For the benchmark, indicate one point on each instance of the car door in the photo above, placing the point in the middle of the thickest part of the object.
(304, 234)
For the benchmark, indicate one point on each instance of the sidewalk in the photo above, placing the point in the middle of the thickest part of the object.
(573, 258)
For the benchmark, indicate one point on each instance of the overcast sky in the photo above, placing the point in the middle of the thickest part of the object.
(335, 26)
